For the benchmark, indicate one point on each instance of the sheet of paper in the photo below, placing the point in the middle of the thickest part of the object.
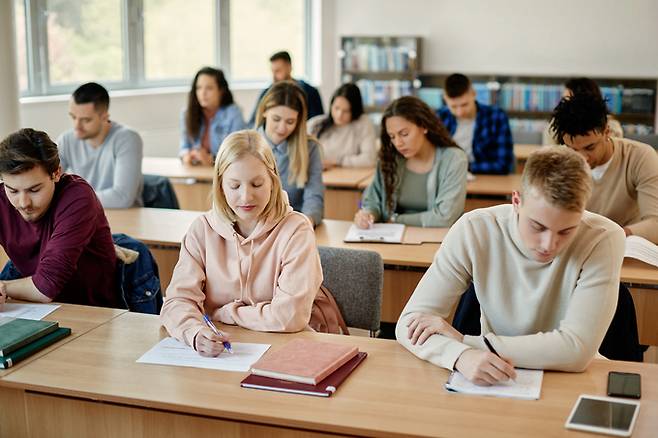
(387, 233)
(641, 249)
(27, 311)
(527, 385)
(169, 351)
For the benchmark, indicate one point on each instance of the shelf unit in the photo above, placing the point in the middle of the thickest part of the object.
(383, 67)
(529, 100)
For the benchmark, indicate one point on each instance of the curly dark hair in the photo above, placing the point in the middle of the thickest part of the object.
(417, 112)
(194, 114)
(579, 114)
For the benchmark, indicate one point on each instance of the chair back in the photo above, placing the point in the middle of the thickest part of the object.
(355, 279)
(159, 193)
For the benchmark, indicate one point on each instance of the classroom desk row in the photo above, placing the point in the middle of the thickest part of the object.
(404, 264)
(93, 383)
(343, 187)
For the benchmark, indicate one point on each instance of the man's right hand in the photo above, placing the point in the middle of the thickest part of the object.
(484, 368)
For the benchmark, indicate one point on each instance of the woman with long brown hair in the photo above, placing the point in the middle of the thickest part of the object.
(421, 173)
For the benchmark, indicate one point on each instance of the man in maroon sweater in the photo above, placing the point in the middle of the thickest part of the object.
(52, 227)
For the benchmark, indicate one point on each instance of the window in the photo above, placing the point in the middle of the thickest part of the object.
(128, 44)
(251, 51)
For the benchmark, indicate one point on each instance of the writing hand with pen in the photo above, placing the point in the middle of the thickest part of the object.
(483, 368)
(364, 219)
(210, 342)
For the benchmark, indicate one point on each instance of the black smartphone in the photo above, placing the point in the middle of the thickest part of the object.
(624, 384)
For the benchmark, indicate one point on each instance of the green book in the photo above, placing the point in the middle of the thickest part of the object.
(17, 332)
(27, 350)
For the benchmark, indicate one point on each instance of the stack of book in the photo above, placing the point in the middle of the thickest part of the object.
(305, 367)
(20, 338)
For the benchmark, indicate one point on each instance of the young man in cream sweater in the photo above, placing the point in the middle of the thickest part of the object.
(545, 271)
(625, 172)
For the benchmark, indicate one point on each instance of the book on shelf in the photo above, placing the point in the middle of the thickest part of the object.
(28, 350)
(304, 361)
(370, 57)
(325, 388)
(17, 332)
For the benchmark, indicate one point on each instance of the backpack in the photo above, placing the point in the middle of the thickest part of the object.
(325, 314)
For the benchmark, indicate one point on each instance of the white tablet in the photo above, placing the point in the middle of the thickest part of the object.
(607, 415)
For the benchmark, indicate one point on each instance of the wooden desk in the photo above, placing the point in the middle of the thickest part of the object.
(162, 230)
(522, 152)
(103, 389)
(80, 319)
(192, 184)
(489, 190)
(343, 189)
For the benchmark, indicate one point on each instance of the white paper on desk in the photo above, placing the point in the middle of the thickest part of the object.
(527, 385)
(28, 311)
(169, 351)
(640, 248)
(385, 233)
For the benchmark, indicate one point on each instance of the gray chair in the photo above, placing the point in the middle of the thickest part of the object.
(355, 278)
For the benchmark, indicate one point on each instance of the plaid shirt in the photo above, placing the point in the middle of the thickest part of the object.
(493, 147)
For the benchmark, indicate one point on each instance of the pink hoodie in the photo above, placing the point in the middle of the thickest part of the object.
(267, 281)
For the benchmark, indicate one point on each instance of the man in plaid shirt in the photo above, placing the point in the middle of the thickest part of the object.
(481, 130)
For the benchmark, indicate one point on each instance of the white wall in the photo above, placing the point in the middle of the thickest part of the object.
(533, 37)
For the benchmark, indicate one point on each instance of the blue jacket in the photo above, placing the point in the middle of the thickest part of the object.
(493, 147)
(139, 281)
(313, 101)
(225, 121)
(310, 198)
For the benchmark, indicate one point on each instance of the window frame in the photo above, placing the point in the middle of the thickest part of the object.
(133, 56)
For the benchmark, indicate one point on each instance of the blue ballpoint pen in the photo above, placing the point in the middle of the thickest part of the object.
(227, 344)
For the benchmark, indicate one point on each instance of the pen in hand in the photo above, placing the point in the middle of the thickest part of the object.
(209, 323)
(493, 350)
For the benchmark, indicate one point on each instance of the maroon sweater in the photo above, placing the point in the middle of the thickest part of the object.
(69, 251)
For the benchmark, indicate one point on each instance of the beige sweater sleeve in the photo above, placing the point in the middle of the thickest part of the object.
(294, 292)
(644, 167)
(181, 312)
(572, 345)
(437, 293)
(365, 145)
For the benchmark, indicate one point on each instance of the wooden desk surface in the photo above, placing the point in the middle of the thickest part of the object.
(494, 185)
(332, 232)
(80, 319)
(155, 226)
(174, 168)
(392, 393)
(346, 177)
(523, 151)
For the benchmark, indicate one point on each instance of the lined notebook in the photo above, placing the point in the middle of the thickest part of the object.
(527, 385)
(304, 361)
(325, 388)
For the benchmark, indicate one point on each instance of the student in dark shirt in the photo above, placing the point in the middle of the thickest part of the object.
(52, 227)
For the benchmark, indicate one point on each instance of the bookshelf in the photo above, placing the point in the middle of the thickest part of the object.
(383, 67)
(529, 100)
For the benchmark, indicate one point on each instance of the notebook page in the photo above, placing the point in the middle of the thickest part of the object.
(527, 385)
(169, 351)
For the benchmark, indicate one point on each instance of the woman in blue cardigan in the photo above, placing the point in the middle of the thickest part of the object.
(210, 116)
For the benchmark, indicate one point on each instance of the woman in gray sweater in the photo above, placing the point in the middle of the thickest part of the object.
(421, 172)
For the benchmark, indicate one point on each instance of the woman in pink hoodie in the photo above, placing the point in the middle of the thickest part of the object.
(250, 261)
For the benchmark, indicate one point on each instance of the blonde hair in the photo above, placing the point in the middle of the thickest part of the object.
(234, 147)
(561, 175)
(287, 93)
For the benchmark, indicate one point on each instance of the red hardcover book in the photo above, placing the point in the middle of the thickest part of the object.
(304, 361)
(323, 389)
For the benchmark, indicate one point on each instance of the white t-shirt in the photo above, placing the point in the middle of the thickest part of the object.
(464, 136)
